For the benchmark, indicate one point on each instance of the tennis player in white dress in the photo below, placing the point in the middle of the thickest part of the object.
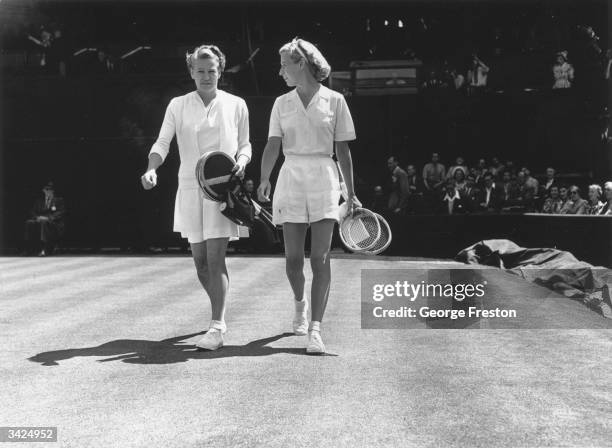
(309, 122)
(205, 120)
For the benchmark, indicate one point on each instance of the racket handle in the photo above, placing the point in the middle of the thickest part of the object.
(344, 191)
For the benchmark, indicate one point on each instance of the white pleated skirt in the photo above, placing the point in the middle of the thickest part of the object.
(307, 190)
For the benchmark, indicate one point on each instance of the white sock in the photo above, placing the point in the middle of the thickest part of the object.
(315, 325)
(218, 325)
(300, 306)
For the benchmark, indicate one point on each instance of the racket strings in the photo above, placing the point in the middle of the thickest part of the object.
(385, 237)
(363, 230)
(360, 231)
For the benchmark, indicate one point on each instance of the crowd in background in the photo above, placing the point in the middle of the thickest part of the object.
(465, 47)
(462, 49)
(485, 187)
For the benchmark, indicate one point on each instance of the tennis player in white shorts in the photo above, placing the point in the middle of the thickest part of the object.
(205, 120)
(309, 121)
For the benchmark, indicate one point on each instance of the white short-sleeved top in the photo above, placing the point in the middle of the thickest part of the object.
(223, 125)
(314, 129)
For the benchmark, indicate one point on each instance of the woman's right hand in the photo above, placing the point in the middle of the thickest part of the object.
(149, 179)
(263, 191)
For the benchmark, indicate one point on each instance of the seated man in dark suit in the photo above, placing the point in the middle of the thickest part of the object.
(510, 190)
(46, 223)
(491, 195)
(470, 194)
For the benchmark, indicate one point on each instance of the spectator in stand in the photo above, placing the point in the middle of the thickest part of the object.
(481, 165)
(563, 72)
(579, 206)
(46, 224)
(509, 189)
(415, 184)
(452, 203)
(497, 166)
(491, 195)
(477, 74)
(451, 77)
(458, 79)
(526, 191)
(105, 62)
(567, 201)
(459, 165)
(595, 206)
(459, 179)
(470, 194)
(478, 175)
(509, 166)
(553, 203)
(249, 188)
(550, 180)
(531, 182)
(433, 174)
(398, 198)
(379, 203)
(607, 208)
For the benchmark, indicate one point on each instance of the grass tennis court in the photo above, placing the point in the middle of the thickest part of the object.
(101, 347)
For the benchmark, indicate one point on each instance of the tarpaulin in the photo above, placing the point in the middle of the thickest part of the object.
(556, 269)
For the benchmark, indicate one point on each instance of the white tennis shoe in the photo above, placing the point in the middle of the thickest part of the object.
(315, 343)
(212, 340)
(300, 319)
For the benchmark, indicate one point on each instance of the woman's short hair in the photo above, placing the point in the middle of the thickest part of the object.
(299, 49)
(206, 52)
(597, 188)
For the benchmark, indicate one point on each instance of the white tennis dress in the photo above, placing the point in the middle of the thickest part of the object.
(223, 125)
(308, 187)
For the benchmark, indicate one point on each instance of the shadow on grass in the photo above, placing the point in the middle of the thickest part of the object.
(166, 351)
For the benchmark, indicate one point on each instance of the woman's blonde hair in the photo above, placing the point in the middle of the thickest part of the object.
(206, 52)
(300, 49)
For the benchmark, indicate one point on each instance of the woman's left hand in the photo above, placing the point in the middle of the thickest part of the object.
(351, 204)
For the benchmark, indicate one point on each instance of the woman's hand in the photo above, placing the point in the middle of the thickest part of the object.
(263, 191)
(351, 204)
(240, 167)
(149, 179)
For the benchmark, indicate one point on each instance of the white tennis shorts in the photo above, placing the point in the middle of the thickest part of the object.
(307, 190)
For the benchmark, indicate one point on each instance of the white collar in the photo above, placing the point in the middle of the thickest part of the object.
(448, 198)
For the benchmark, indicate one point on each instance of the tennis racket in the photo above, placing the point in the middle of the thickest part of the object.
(264, 215)
(359, 231)
(214, 174)
(370, 234)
